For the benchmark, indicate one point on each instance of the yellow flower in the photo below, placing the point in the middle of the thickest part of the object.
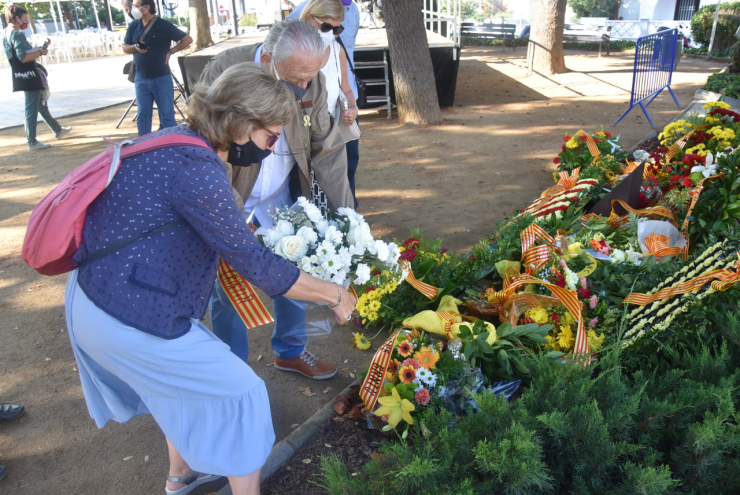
(572, 143)
(568, 319)
(538, 315)
(715, 104)
(396, 408)
(552, 342)
(374, 305)
(595, 342)
(359, 341)
(427, 357)
(565, 339)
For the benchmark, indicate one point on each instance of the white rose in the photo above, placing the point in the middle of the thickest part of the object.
(382, 250)
(292, 248)
(269, 236)
(363, 274)
(285, 228)
(333, 235)
(308, 234)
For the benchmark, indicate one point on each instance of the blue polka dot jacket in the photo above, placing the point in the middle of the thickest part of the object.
(159, 282)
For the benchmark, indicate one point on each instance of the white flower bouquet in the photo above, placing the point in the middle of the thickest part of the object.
(332, 249)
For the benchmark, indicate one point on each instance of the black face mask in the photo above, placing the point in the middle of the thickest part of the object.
(129, 15)
(247, 154)
(298, 91)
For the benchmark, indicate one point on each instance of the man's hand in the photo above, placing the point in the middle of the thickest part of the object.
(167, 57)
(140, 50)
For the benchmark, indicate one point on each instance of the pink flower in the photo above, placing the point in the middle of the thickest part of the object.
(583, 283)
(411, 362)
(563, 264)
(592, 323)
(422, 397)
(593, 302)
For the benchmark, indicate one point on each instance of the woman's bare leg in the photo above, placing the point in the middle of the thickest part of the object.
(178, 466)
(246, 485)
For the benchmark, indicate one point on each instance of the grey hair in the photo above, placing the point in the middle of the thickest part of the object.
(290, 36)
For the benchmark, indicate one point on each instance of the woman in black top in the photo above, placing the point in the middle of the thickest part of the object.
(28, 76)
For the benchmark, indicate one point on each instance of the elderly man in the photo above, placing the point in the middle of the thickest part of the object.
(309, 160)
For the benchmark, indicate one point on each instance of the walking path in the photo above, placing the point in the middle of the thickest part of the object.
(76, 87)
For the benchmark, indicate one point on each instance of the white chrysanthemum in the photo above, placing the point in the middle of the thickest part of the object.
(619, 256)
(269, 236)
(394, 253)
(571, 280)
(310, 235)
(313, 213)
(382, 249)
(324, 249)
(285, 228)
(346, 256)
(321, 227)
(333, 235)
(363, 274)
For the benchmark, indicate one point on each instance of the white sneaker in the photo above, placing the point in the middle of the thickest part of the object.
(38, 146)
(62, 132)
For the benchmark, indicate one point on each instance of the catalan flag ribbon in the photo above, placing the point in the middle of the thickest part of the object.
(242, 295)
(535, 257)
(659, 246)
(678, 145)
(428, 290)
(371, 386)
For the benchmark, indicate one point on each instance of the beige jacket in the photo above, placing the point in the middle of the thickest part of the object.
(326, 153)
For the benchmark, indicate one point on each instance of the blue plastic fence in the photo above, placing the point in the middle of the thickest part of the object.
(654, 58)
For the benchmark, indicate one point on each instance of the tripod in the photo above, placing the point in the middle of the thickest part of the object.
(180, 93)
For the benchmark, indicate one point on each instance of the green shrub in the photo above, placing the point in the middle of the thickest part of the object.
(727, 84)
(594, 8)
(248, 20)
(727, 24)
(666, 426)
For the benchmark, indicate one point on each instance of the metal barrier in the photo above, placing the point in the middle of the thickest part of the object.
(653, 70)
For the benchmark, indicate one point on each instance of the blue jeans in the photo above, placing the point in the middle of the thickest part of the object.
(161, 91)
(288, 338)
(34, 107)
(353, 160)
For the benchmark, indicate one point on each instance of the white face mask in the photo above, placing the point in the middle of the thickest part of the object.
(136, 13)
(326, 37)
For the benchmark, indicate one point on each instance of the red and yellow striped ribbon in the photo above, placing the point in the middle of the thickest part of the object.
(722, 280)
(660, 211)
(373, 383)
(242, 295)
(679, 145)
(694, 199)
(535, 257)
(568, 298)
(428, 290)
(567, 181)
(593, 148)
(448, 319)
(659, 246)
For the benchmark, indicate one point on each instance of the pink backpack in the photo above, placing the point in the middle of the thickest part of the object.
(55, 229)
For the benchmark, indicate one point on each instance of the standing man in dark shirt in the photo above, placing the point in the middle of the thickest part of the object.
(151, 57)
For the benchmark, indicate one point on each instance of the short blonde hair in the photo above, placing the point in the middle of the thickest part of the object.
(241, 100)
(324, 8)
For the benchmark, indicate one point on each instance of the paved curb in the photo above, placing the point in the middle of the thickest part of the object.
(704, 57)
(285, 448)
(76, 114)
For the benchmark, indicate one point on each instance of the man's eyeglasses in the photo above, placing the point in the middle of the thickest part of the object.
(272, 139)
(326, 27)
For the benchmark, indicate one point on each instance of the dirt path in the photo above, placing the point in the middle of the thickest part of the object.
(491, 156)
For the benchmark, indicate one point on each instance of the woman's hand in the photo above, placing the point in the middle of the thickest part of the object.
(344, 310)
(47, 42)
(349, 116)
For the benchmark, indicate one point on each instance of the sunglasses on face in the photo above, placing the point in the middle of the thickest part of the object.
(326, 27)
(272, 139)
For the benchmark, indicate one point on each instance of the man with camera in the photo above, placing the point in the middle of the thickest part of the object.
(150, 39)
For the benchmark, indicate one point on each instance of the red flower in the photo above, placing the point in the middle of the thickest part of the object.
(376, 272)
(444, 250)
(411, 362)
(411, 243)
(394, 366)
(526, 320)
(405, 348)
(566, 138)
(556, 160)
(596, 140)
(555, 319)
(584, 138)
(687, 182)
(408, 255)
(559, 279)
(422, 397)
(563, 147)
(370, 289)
(643, 201)
(583, 293)
(608, 134)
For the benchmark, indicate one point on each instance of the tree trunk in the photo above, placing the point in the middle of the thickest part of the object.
(67, 15)
(200, 26)
(413, 75)
(108, 20)
(545, 51)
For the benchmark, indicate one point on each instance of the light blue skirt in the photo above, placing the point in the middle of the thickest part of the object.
(208, 402)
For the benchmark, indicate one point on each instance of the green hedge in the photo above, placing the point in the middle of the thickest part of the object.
(616, 45)
(701, 26)
(727, 84)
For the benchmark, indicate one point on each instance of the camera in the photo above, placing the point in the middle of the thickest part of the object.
(141, 45)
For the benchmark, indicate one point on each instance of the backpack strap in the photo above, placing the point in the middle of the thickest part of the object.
(122, 152)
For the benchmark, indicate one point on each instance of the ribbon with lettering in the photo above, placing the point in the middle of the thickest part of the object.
(373, 383)
(243, 296)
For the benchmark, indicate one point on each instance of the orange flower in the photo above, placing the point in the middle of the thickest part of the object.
(394, 366)
(427, 357)
(407, 374)
(405, 349)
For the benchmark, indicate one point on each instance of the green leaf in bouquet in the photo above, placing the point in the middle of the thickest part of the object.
(503, 354)
(536, 338)
(554, 355)
(504, 330)
(520, 367)
(482, 344)
(423, 268)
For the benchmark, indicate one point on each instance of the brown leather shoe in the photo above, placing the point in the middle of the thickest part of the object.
(307, 365)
